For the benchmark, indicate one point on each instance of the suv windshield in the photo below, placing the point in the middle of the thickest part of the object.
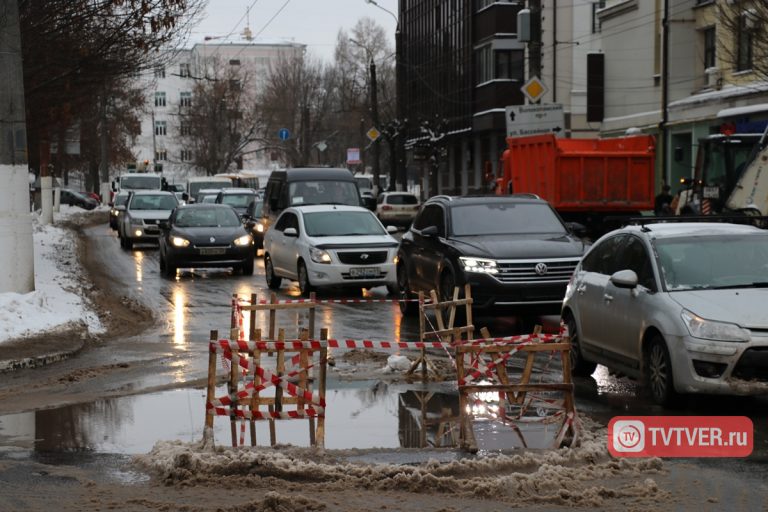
(504, 218)
(140, 182)
(340, 223)
(238, 200)
(206, 218)
(158, 202)
(323, 192)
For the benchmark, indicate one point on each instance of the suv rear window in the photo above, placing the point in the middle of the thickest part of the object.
(504, 218)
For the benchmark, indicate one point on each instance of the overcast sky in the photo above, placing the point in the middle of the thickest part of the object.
(311, 22)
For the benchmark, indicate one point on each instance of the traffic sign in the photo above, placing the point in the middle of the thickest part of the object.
(353, 156)
(534, 89)
(284, 134)
(373, 134)
(535, 119)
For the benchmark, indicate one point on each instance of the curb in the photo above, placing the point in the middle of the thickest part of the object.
(36, 361)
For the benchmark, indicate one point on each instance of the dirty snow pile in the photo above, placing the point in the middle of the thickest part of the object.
(583, 476)
(56, 302)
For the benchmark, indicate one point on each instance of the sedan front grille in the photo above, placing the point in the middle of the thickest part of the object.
(536, 271)
(362, 257)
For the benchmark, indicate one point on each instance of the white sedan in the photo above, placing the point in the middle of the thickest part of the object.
(330, 246)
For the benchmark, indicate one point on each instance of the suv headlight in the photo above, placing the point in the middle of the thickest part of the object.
(711, 330)
(319, 255)
(480, 265)
(243, 240)
(177, 241)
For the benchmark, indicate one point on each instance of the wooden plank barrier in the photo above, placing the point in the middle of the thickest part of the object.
(257, 392)
(485, 371)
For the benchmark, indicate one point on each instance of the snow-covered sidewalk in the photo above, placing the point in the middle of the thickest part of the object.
(57, 301)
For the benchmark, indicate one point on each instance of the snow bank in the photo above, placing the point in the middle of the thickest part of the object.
(583, 476)
(56, 301)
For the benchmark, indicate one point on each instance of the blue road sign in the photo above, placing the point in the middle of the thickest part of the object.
(284, 134)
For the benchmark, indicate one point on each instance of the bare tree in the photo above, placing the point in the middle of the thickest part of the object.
(744, 42)
(223, 123)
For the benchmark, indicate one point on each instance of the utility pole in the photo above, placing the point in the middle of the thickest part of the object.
(17, 272)
(535, 45)
(104, 146)
(375, 121)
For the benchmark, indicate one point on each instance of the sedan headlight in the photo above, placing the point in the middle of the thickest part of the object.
(259, 227)
(480, 265)
(177, 241)
(711, 330)
(243, 240)
(319, 255)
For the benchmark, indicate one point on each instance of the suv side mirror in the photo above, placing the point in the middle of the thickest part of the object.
(576, 228)
(429, 231)
(624, 279)
(291, 232)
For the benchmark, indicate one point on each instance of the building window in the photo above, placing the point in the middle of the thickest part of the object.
(709, 47)
(509, 64)
(596, 6)
(160, 128)
(159, 99)
(744, 42)
(159, 72)
(234, 62)
(185, 129)
(184, 70)
(484, 64)
(185, 99)
(186, 155)
(161, 155)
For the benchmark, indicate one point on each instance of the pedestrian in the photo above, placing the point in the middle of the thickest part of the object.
(663, 202)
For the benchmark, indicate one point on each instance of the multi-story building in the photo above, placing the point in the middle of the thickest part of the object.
(169, 90)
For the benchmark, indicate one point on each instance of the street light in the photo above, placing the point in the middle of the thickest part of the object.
(375, 4)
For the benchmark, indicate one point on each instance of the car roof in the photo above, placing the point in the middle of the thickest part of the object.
(329, 207)
(202, 205)
(144, 192)
(683, 229)
(485, 199)
(314, 173)
(209, 190)
(398, 194)
(234, 190)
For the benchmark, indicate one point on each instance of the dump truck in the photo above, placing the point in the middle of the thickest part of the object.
(592, 182)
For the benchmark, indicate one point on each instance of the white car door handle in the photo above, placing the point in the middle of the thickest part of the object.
(607, 297)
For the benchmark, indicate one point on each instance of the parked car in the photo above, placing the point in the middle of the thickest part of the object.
(140, 216)
(397, 207)
(237, 198)
(680, 306)
(114, 214)
(514, 251)
(74, 198)
(205, 235)
(330, 246)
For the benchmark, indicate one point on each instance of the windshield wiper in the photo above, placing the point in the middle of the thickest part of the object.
(756, 284)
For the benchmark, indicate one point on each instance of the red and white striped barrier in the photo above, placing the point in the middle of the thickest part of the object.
(246, 302)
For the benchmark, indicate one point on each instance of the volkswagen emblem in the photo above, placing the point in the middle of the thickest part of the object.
(212, 240)
(364, 256)
(541, 269)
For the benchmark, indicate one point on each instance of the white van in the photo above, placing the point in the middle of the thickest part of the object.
(137, 181)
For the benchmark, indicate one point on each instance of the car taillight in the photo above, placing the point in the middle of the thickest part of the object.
(386, 207)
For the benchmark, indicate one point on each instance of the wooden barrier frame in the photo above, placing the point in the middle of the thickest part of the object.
(274, 403)
(514, 392)
(446, 331)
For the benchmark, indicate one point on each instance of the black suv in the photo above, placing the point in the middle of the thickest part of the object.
(513, 250)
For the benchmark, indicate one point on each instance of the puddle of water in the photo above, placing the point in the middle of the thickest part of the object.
(359, 415)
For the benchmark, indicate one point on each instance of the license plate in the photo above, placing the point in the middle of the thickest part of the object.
(212, 251)
(711, 192)
(364, 272)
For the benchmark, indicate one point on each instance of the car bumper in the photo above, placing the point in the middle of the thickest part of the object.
(195, 257)
(396, 218)
(341, 275)
(732, 368)
(144, 234)
(543, 298)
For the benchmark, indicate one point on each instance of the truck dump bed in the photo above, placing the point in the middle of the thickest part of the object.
(583, 175)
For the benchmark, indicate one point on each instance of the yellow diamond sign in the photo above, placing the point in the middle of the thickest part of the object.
(534, 89)
(373, 134)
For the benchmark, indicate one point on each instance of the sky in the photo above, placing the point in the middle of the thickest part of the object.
(53, 304)
(311, 22)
